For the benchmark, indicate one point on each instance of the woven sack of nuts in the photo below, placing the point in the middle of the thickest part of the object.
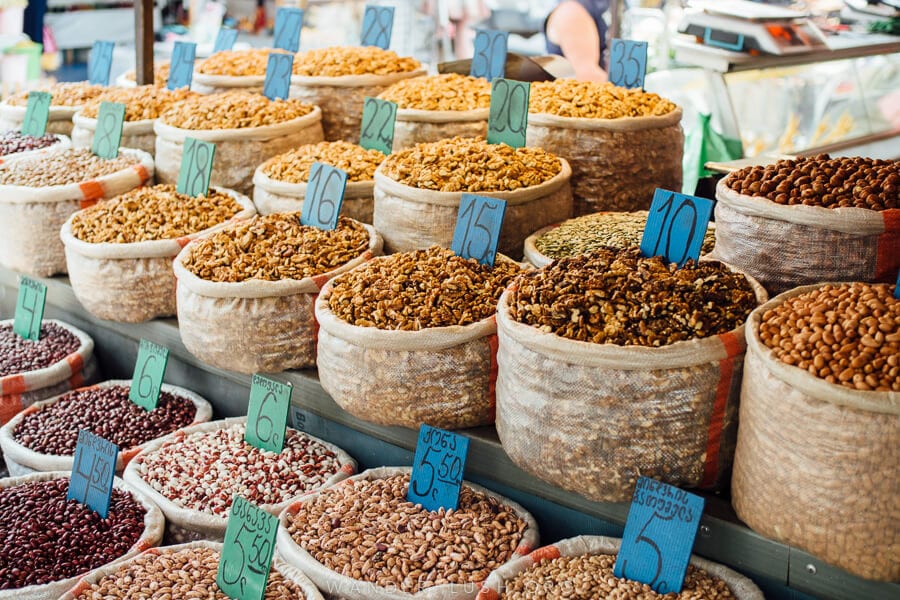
(67, 100)
(419, 126)
(542, 575)
(816, 462)
(273, 196)
(83, 537)
(786, 245)
(421, 576)
(271, 320)
(617, 161)
(132, 282)
(128, 79)
(23, 460)
(62, 142)
(135, 134)
(32, 212)
(189, 570)
(195, 463)
(231, 70)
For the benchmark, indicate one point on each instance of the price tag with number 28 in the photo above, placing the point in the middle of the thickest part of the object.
(627, 63)
(676, 226)
(267, 413)
(324, 196)
(438, 467)
(377, 25)
(93, 469)
(29, 308)
(149, 370)
(247, 551)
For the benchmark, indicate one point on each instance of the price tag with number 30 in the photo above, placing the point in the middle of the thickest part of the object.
(489, 54)
(247, 551)
(149, 370)
(627, 63)
(438, 467)
(267, 413)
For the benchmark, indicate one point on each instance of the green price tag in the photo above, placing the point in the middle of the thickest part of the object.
(196, 167)
(508, 119)
(30, 308)
(36, 114)
(377, 130)
(267, 414)
(149, 370)
(247, 551)
(108, 134)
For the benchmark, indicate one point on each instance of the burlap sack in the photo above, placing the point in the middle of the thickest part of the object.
(414, 126)
(272, 322)
(342, 98)
(59, 120)
(185, 524)
(617, 164)
(135, 134)
(152, 536)
(31, 217)
(131, 283)
(335, 586)
(288, 572)
(786, 246)
(592, 418)
(816, 462)
(411, 218)
(273, 196)
(741, 587)
(64, 143)
(203, 83)
(238, 151)
(21, 460)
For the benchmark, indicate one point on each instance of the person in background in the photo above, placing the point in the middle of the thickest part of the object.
(576, 29)
(34, 20)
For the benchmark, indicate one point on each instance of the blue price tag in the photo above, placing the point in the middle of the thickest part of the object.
(101, 63)
(181, 70)
(897, 287)
(288, 22)
(93, 469)
(377, 25)
(489, 56)
(659, 535)
(478, 225)
(438, 467)
(279, 68)
(225, 39)
(627, 63)
(324, 196)
(676, 226)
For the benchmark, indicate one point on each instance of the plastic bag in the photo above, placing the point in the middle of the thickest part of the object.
(21, 460)
(410, 218)
(816, 462)
(288, 572)
(592, 418)
(131, 283)
(342, 98)
(135, 134)
(272, 322)
(335, 585)
(415, 126)
(272, 196)
(741, 587)
(786, 246)
(185, 524)
(152, 536)
(238, 151)
(64, 143)
(31, 217)
(59, 119)
(617, 164)
(704, 144)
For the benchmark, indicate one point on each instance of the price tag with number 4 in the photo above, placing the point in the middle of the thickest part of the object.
(36, 114)
(489, 55)
(478, 226)
(279, 68)
(100, 63)
(181, 68)
(247, 551)
(324, 196)
(225, 39)
(196, 167)
(377, 25)
(508, 117)
(108, 134)
(377, 129)
(267, 414)
(29, 308)
(438, 467)
(676, 226)
(627, 63)
(93, 470)
(149, 370)
(659, 535)
(288, 23)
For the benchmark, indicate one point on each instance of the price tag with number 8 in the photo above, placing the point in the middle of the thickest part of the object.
(324, 196)
(267, 413)
(108, 135)
(478, 226)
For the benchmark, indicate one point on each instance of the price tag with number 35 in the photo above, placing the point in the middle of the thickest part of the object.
(627, 63)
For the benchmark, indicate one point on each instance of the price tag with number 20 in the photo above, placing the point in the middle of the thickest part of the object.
(247, 551)
(267, 413)
(508, 116)
(438, 467)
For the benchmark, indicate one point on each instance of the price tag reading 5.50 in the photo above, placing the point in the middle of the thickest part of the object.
(627, 63)
(225, 39)
(101, 63)
(247, 551)
(377, 130)
(508, 118)
(93, 469)
(478, 225)
(181, 69)
(438, 467)
(267, 414)
(196, 167)
(29, 308)
(108, 134)
(377, 25)
(324, 196)
(676, 226)
(149, 370)
(288, 23)
(36, 114)
(659, 535)
(277, 84)
(489, 57)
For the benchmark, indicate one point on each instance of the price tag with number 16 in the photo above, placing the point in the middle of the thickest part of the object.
(324, 196)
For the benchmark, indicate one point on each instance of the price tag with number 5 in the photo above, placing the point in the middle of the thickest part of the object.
(324, 196)
(377, 130)
(288, 23)
(267, 413)
(627, 63)
(29, 308)
(676, 226)
(377, 25)
(196, 167)
(101, 63)
(247, 551)
(508, 117)
(489, 56)
(478, 226)
(438, 467)
(108, 135)
(659, 535)
(36, 114)
(181, 68)
(279, 69)
(93, 470)
(149, 370)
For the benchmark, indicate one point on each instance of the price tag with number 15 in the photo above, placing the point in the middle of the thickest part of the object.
(149, 370)
(478, 226)
(438, 467)
(267, 413)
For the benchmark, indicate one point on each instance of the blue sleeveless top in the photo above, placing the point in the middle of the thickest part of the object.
(595, 8)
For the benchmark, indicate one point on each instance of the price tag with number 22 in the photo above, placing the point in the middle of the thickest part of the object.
(377, 130)
(267, 413)
(627, 63)
(438, 467)
(247, 551)
(149, 370)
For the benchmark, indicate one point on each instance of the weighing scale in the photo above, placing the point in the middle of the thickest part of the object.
(752, 28)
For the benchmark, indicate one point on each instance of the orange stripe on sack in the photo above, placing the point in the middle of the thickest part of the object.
(144, 544)
(81, 586)
(717, 418)
(76, 380)
(182, 242)
(348, 469)
(76, 363)
(493, 343)
(488, 594)
(887, 261)
(141, 170)
(547, 552)
(320, 281)
(128, 455)
(31, 409)
(10, 406)
(91, 190)
(12, 384)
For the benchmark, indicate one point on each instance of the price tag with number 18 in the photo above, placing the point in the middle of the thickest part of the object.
(267, 413)
(149, 370)
(438, 467)
(196, 167)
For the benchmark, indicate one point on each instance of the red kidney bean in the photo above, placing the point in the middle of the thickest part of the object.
(19, 355)
(46, 538)
(13, 142)
(104, 411)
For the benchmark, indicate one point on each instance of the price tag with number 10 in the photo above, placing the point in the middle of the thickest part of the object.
(324, 196)
(247, 551)
(149, 370)
(267, 414)
(676, 226)
(196, 167)
(438, 467)
(29, 308)
(627, 63)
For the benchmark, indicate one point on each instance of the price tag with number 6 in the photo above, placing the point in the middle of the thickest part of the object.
(149, 370)
(627, 63)
(324, 196)
(438, 467)
(196, 167)
(267, 414)
(478, 226)
(676, 226)
(247, 551)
